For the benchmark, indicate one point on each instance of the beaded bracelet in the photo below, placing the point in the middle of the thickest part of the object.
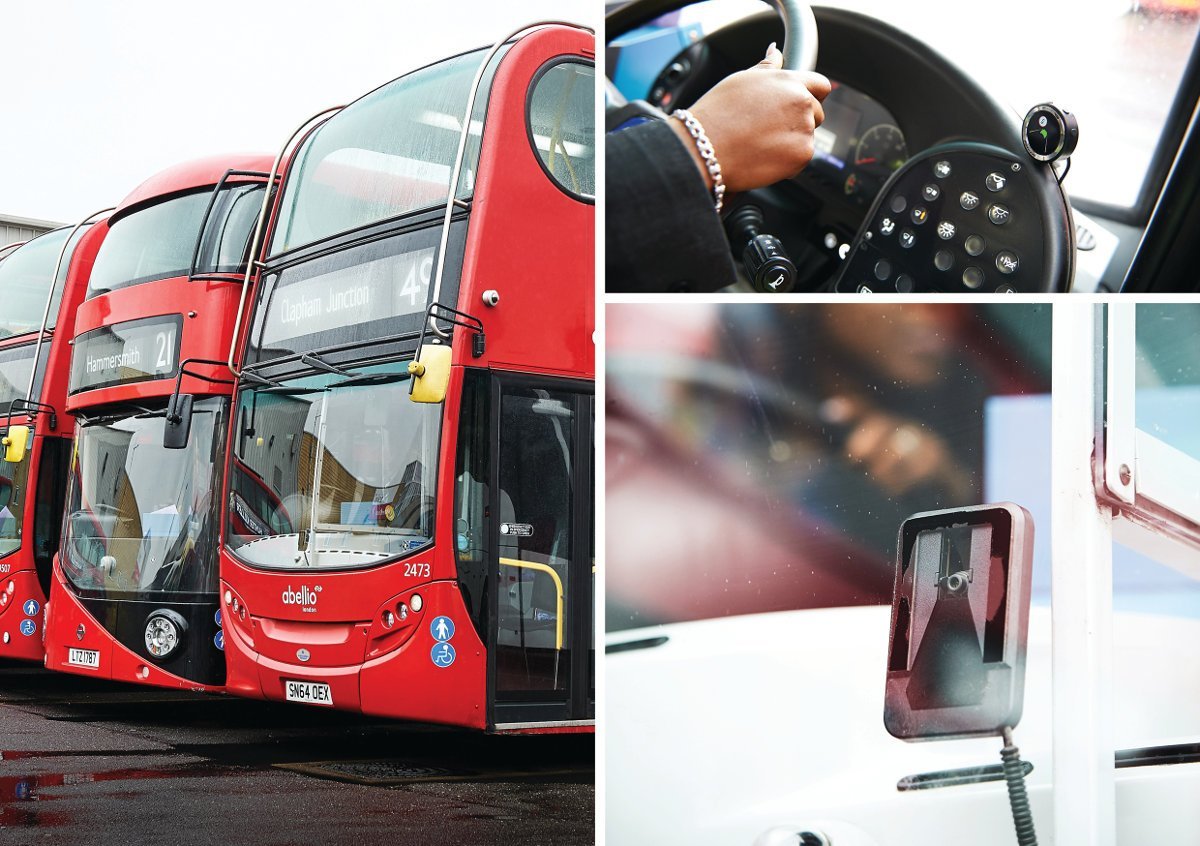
(707, 154)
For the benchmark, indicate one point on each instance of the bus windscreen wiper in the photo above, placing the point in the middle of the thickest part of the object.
(254, 378)
(315, 360)
(290, 390)
(371, 379)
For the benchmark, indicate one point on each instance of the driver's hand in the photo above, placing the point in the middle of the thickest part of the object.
(760, 122)
(898, 454)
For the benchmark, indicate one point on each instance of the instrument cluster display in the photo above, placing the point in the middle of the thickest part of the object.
(857, 147)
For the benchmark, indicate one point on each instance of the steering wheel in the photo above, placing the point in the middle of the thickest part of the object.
(799, 27)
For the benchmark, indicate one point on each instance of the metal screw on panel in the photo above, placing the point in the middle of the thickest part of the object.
(1125, 474)
(491, 297)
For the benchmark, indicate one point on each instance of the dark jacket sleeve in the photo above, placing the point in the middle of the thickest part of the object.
(661, 232)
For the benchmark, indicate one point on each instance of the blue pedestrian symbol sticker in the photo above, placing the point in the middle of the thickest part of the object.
(217, 617)
(442, 629)
(28, 627)
(219, 640)
(31, 607)
(442, 655)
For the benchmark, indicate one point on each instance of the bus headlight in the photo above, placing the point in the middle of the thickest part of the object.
(165, 631)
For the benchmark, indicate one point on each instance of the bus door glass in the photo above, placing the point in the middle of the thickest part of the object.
(542, 562)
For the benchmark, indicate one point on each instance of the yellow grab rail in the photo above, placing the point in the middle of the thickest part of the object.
(558, 586)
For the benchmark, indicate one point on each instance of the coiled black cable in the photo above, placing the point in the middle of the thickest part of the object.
(1014, 775)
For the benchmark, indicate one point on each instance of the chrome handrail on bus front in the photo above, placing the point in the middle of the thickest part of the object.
(11, 246)
(37, 350)
(452, 194)
(258, 232)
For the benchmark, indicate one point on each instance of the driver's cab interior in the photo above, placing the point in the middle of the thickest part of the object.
(947, 158)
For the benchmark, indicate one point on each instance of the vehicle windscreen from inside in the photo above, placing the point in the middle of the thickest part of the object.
(387, 154)
(158, 241)
(13, 487)
(25, 282)
(1116, 64)
(142, 519)
(762, 457)
(333, 471)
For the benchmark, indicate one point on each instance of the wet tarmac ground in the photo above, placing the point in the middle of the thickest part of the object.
(89, 762)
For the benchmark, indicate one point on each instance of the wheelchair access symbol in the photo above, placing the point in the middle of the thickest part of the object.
(442, 655)
(28, 627)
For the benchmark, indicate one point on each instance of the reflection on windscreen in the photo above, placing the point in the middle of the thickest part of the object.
(141, 517)
(367, 451)
(16, 366)
(12, 498)
(762, 458)
(159, 241)
(389, 153)
(25, 277)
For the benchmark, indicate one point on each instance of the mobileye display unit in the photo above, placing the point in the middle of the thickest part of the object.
(41, 284)
(409, 533)
(134, 594)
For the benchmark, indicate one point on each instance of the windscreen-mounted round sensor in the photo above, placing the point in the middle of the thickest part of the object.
(1049, 133)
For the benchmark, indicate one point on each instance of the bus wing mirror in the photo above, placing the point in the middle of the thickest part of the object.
(430, 373)
(179, 421)
(15, 444)
(960, 617)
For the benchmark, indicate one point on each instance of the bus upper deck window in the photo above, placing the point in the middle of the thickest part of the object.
(562, 124)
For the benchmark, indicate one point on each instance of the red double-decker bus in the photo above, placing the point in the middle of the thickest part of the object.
(134, 594)
(41, 283)
(426, 556)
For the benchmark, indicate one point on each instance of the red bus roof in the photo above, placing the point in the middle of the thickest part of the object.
(194, 174)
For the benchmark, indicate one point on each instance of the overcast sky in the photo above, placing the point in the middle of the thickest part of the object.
(100, 95)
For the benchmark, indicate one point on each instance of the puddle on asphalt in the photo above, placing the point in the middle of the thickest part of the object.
(19, 793)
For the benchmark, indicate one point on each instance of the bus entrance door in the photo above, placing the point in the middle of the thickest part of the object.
(541, 673)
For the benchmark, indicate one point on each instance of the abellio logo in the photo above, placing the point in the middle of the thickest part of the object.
(305, 596)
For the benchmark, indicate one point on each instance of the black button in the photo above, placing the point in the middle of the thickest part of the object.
(1007, 262)
(999, 214)
(931, 192)
(968, 200)
(946, 230)
(941, 169)
(899, 204)
(995, 182)
(907, 238)
(887, 226)
(919, 215)
(972, 277)
(943, 260)
(883, 269)
(974, 245)
(904, 283)
(1006, 289)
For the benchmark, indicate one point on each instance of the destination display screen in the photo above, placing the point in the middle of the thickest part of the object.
(133, 351)
(334, 302)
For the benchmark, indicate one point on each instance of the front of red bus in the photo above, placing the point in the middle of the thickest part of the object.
(357, 572)
(41, 283)
(134, 591)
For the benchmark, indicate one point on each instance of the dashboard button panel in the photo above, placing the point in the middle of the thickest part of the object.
(979, 246)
